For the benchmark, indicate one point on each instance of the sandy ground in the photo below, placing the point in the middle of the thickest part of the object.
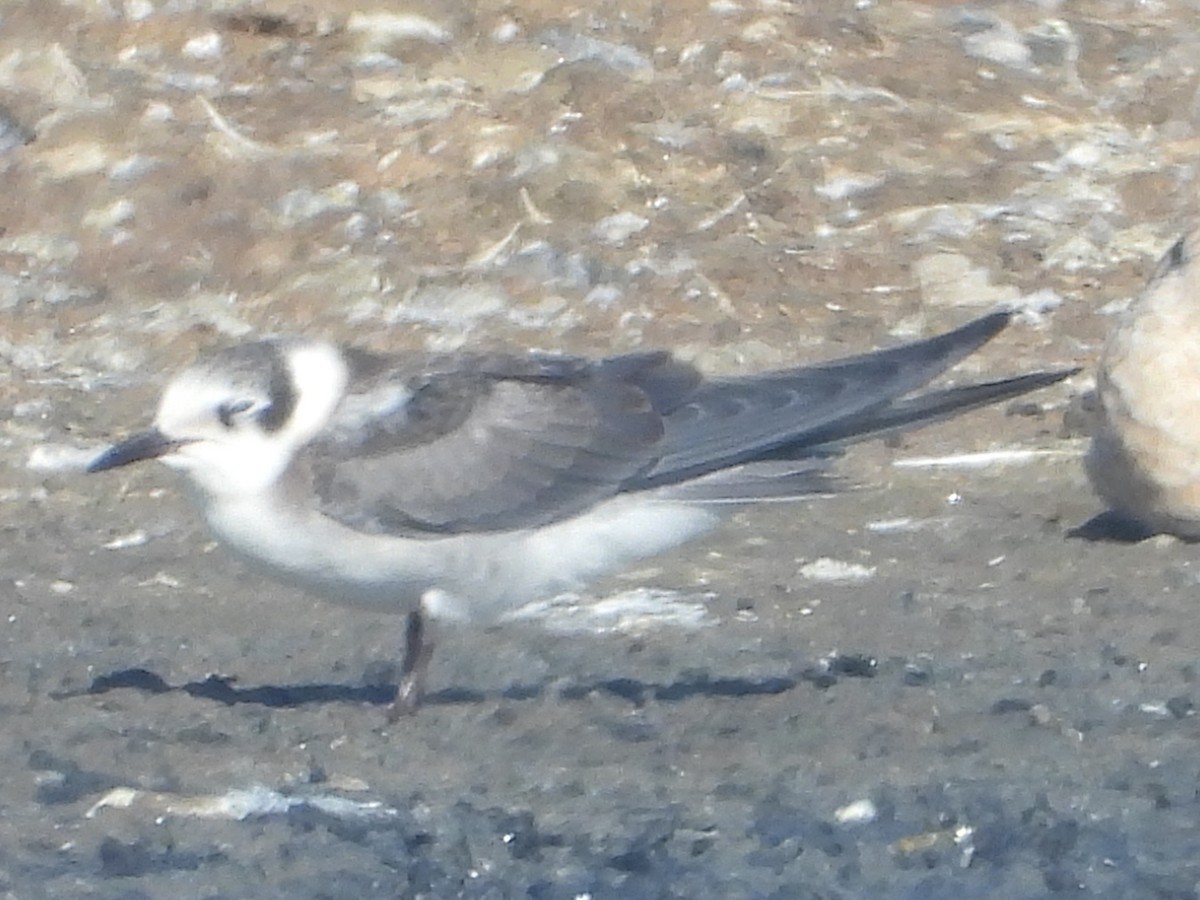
(974, 703)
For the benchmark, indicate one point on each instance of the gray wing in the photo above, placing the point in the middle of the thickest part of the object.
(735, 420)
(505, 442)
(492, 442)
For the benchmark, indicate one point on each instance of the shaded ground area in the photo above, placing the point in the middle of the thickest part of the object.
(923, 687)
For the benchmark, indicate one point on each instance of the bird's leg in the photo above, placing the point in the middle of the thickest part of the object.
(418, 650)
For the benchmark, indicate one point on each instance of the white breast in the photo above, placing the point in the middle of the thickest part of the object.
(473, 577)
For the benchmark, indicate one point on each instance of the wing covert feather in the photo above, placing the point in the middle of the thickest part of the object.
(504, 442)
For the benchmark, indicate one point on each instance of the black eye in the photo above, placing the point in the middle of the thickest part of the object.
(227, 412)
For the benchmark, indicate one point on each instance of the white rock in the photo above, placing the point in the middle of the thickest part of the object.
(379, 29)
(506, 31)
(59, 458)
(1001, 44)
(632, 611)
(75, 160)
(138, 10)
(618, 228)
(204, 47)
(839, 186)
(115, 214)
(826, 569)
(860, 812)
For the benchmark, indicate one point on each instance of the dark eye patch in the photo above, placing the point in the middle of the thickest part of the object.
(281, 393)
(227, 412)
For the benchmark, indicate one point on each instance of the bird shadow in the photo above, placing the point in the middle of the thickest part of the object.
(224, 690)
(1112, 528)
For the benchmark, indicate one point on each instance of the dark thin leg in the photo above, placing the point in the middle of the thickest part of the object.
(418, 650)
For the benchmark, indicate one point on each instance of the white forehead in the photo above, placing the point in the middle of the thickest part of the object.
(191, 395)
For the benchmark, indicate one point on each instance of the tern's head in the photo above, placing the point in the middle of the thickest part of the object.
(233, 421)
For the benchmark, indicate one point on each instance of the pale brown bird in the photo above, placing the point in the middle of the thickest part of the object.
(1144, 459)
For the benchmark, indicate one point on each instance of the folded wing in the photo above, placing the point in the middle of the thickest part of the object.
(499, 442)
(495, 443)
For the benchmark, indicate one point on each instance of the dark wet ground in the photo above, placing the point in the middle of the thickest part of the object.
(1016, 706)
(993, 709)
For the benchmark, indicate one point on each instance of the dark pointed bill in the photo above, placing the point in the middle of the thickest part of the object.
(149, 444)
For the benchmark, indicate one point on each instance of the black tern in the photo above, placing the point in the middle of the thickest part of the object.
(462, 488)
